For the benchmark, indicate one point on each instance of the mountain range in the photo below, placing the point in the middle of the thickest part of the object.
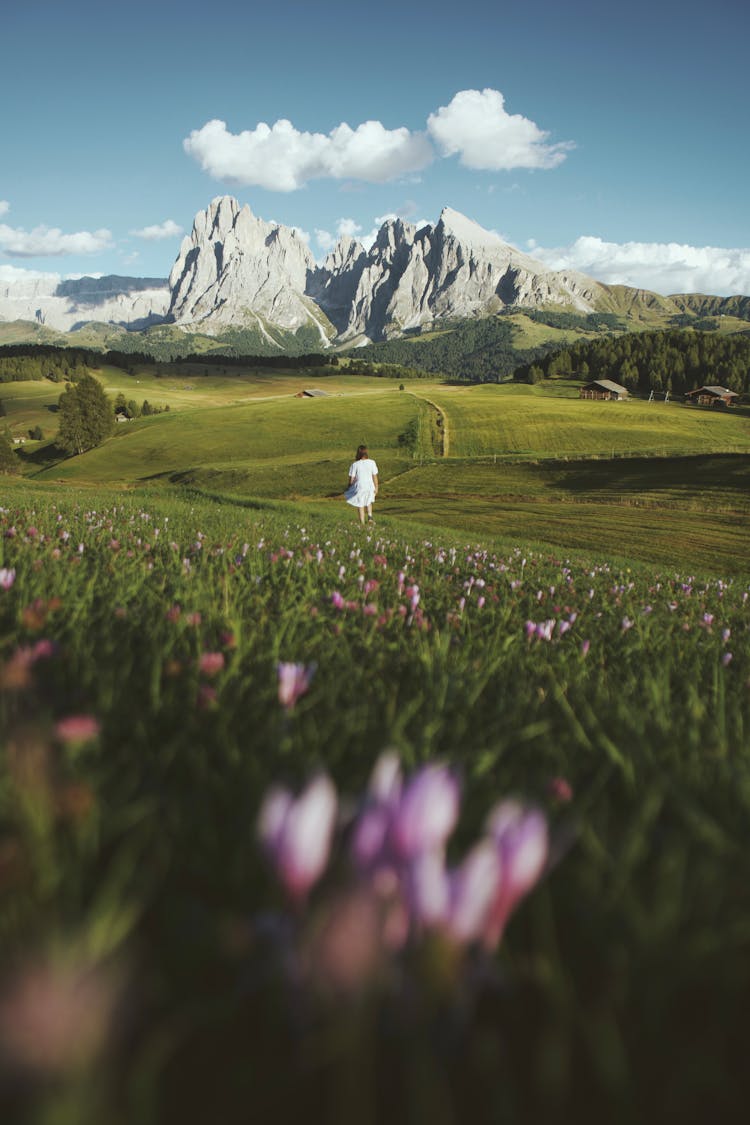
(235, 271)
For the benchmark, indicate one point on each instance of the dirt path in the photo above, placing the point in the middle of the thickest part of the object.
(442, 445)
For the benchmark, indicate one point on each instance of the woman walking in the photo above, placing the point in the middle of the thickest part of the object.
(363, 484)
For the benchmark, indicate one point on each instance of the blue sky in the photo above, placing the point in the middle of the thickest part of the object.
(611, 140)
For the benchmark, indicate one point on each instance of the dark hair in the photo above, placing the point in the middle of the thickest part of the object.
(361, 452)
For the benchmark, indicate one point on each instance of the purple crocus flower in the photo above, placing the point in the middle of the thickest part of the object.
(427, 889)
(297, 834)
(294, 681)
(426, 813)
(473, 889)
(521, 837)
(7, 578)
(371, 831)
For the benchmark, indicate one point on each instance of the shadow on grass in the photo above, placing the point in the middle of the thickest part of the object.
(727, 471)
(44, 456)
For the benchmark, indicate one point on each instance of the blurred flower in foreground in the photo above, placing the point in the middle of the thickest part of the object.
(77, 728)
(391, 888)
(294, 681)
(559, 789)
(55, 1015)
(7, 578)
(296, 834)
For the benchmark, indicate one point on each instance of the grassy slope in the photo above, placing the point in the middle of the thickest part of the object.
(248, 436)
(273, 447)
(491, 419)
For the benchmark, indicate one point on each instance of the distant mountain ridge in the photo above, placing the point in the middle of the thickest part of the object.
(236, 273)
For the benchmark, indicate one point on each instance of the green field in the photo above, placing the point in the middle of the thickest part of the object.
(655, 481)
(551, 608)
(142, 723)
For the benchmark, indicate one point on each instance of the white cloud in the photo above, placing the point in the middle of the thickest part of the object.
(325, 240)
(281, 158)
(4, 207)
(46, 242)
(168, 229)
(348, 227)
(12, 275)
(352, 229)
(665, 267)
(477, 126)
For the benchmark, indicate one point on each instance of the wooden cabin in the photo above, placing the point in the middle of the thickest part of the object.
(712, 396)
(604, 389)
(313, 393)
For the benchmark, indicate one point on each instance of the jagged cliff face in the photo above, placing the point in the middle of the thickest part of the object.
(413, 277)
(236, 269)
(132, 303)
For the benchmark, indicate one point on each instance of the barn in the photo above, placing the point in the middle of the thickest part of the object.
(604, 389)
(711, 396)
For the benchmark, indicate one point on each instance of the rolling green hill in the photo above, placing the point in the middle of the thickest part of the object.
(639, 480)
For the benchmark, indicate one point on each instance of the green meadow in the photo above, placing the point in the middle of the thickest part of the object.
(655, 481)
(553, 604)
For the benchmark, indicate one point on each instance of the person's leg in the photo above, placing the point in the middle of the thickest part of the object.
(361, 515)
(369, 511)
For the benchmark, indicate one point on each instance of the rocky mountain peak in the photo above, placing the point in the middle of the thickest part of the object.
(235, 268)
(453, 224)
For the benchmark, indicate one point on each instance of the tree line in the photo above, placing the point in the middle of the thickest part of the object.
(477, 351)
(670, 360)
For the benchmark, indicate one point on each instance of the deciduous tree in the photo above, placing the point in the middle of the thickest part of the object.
(86, 416)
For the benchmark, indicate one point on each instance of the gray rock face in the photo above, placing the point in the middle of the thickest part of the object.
(128, 302)
(236, 269)
(413, 277)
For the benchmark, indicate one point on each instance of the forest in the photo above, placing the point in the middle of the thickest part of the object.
(475, 350)
(672, 360)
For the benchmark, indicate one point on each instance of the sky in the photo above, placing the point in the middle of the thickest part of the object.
(611, 139)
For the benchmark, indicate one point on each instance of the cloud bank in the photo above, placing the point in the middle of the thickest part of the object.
(475, 126)
(49, 242)
(281, 158)
(159, 231)
(665, 267)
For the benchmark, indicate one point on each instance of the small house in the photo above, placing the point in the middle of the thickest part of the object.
(313, 393)
(712, 396)
(604, 389)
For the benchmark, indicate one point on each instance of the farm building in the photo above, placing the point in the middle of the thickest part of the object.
(604, 389)
(712, 396)
(314, 393)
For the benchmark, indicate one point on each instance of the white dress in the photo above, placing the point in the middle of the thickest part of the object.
(362, 491)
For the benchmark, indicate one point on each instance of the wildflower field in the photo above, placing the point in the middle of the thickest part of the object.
(301, 821)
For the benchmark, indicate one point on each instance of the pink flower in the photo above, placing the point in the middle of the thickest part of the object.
(206, 696)
(297, 834)
(211, 663)
(7, 578)
(427, 889)
(473, 889)
(426, 813)
(294, 681)
(560, 790)
(521, 838)
(77, 728)
(56, 1015)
